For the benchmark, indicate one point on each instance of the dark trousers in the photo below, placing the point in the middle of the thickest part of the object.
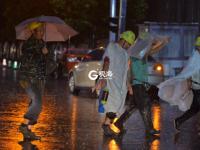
(34, 92)
(142, 102)
(194, 109)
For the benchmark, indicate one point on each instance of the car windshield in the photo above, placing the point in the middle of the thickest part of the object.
(94, 55)
(151, 59)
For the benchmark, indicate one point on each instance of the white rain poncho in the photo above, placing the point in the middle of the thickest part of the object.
(175, 91)
(144, 46)
(117, 85)
(141, 47)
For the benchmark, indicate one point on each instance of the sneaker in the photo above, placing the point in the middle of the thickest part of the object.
(176, 137)
(27, 133)
(34, 137)
(154, 131)
(151, 138)
(27, 145)
(177, 125)
(123, 132)
(105, 128)
(113, 134)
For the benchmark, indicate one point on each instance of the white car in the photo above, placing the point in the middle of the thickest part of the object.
(84, 74)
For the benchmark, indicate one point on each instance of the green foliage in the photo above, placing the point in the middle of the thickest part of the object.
(16, 11)
(78, 13)
(86, 16)
(136, 10)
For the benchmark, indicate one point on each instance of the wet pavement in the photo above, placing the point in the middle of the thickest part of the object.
(72, 123)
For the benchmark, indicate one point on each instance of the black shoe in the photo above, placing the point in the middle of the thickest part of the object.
(105, 128)
(122, 130)
(107, 131)
(27, 133)
(150, 138)
(27, 145)
(176, 137)
(177, 125)
(110, 133)
(154, 131)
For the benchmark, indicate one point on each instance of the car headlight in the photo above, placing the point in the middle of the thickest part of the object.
(9, 63)
(4, 63)
(71, 59)
(101, 47)
(158, 68)
(15, 65)
(76, 66)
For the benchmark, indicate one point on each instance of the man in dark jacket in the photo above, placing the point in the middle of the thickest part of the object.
(32, 77)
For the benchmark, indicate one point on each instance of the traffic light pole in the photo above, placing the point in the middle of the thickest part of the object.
(122, 17)
(113, 12)
(117, 23)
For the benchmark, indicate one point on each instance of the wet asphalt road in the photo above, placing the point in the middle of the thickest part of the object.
(72, 123)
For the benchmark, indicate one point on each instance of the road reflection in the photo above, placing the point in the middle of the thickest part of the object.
(47, 127)
(156, 111)
(3, 72)
(113, 145)
(27, 145)
(49, 123)
(69, 122)
(74, 122)
(13, 113)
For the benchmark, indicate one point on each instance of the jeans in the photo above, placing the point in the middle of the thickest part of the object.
(142, 101)
(34, 91)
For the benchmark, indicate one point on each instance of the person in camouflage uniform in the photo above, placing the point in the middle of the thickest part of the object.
(32, 77)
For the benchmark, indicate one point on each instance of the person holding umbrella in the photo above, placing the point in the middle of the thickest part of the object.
(32, 77)
(37, 61)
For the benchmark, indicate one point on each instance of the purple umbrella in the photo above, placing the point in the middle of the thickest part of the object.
(55, 29)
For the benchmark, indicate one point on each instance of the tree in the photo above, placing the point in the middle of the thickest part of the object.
(86, 16)
(14, 14)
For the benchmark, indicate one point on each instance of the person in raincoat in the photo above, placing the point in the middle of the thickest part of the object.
(141, 99)
(143, 92)
(32, 77)
(116, 60)
(193, 83)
